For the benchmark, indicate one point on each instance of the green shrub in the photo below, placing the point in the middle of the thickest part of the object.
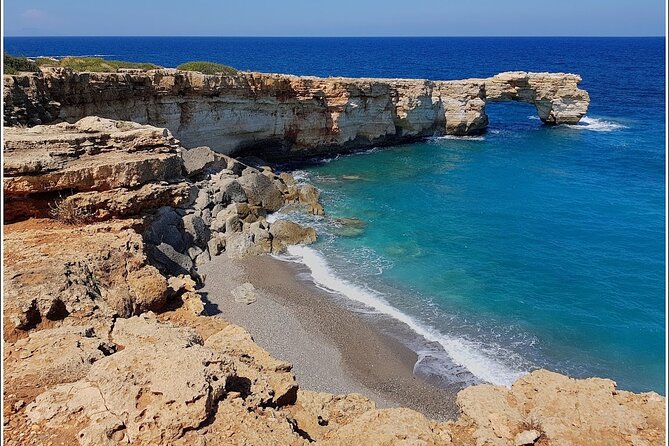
(14, 64)
(93, 64)
(207, 67)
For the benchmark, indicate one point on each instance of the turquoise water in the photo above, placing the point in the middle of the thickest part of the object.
(530, 246)
(539, 246)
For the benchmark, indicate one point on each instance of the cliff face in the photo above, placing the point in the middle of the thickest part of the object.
(276, 115)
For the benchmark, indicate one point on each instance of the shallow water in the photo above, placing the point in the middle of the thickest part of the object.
(529, 246)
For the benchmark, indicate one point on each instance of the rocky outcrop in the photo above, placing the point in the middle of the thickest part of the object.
(128, 166)
(96, 272)
(185, 206)
(167, 385)
(548, 408)
(197, 203)
(279, 116)
(555, 95)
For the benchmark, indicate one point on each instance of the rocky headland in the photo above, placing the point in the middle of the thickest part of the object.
(282, 116)
(106, 340)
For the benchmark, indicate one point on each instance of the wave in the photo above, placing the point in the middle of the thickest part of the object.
(71, 55)
(595, 125)
(457, 137)
(462, 352)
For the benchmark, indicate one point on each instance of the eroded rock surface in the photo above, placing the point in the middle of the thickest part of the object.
(130, 167)
(97, 271)
(286, 116)
(555, 95)
(563, 410)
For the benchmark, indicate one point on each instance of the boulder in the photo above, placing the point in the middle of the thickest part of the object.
(216, 245)
(229, 191)
(200, 159)
(309, 194)
(261, 191)
(149, 288)
(245, 293)
(193, 303)
(196, 231)
(233, 224)
(167, 227)
(203, 199)
(261, 235)
(285, 232)
(169, 260)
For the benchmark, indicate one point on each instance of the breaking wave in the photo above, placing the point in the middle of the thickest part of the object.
(595, 125)
(461, 352)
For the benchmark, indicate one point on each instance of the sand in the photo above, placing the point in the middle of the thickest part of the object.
(332, 348)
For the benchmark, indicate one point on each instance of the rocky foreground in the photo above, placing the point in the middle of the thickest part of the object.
(106, 341)
(280, 116)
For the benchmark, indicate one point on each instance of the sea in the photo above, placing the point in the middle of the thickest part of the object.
(530, 246)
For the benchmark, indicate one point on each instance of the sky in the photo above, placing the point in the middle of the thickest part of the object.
(334, 18)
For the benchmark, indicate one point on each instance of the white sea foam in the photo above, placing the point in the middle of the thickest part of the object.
(458, 137)
(462, 352)
(78, 55)
(596, 125)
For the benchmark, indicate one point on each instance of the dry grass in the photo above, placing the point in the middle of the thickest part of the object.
(532, 423)
(68, 212)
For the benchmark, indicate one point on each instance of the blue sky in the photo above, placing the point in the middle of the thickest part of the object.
(334, 18)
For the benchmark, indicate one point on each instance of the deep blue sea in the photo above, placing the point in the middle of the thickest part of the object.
(529, 246)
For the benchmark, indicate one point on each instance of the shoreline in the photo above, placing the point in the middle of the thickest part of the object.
(332, 348)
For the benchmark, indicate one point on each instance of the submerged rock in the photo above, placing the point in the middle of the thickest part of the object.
(349, 227)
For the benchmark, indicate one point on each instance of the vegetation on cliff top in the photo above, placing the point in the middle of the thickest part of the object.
(94, 64)
(207, 67)
(15, 65)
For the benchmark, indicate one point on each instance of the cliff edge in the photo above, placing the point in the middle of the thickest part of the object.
(281, 116)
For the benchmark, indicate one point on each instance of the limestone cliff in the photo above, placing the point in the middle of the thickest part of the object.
(105, 345)
(275, 115)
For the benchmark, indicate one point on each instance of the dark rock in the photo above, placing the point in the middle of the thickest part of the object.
(170, 261)
(167, 228)
(196, 231)
(253, 161)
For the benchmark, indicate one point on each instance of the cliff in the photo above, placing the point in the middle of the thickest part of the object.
(276, 116)
(105, 337)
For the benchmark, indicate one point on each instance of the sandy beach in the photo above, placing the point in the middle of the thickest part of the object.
(332, 348)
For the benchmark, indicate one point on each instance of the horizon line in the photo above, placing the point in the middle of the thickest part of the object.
(352, 36)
